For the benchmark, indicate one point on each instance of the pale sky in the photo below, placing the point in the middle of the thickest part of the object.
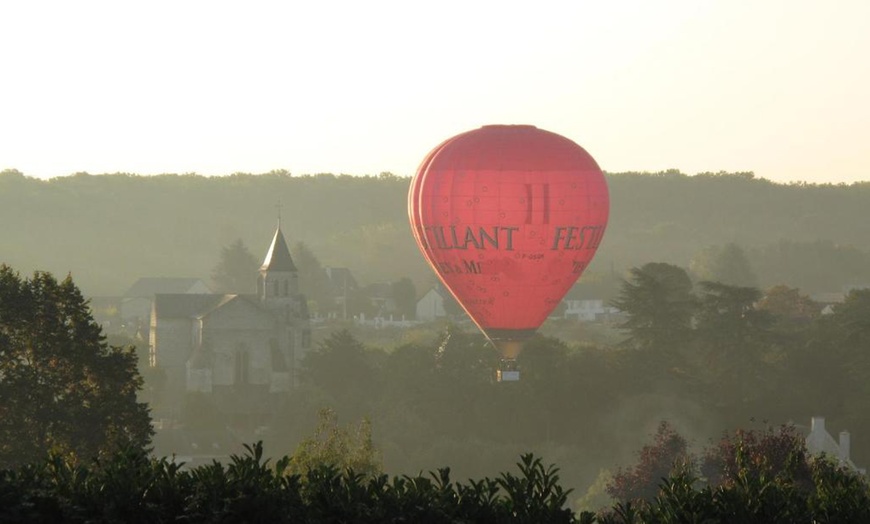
(778, 87)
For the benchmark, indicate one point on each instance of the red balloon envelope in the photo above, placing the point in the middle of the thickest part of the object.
(508, 217)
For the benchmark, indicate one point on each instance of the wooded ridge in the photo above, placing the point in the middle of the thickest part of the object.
(109, 230)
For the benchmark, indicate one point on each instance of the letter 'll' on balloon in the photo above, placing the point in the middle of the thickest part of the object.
(508, 217)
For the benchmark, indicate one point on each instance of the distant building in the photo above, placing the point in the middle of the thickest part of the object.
(585, 310)
(342, 285)
(241, 350)
(819, 441)
(137, 302)
(829, 301)
(579, 306)
(380, 295)
(431, 305)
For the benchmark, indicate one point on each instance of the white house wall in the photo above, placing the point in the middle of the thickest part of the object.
(430, 306)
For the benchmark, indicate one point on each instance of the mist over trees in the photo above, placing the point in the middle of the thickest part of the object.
(737, 359)
(431, 402)
(715, 272)
(110, 230)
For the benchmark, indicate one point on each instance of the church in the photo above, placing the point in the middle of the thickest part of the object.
(242, 351)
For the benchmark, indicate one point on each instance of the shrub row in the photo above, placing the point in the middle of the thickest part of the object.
(132, 487)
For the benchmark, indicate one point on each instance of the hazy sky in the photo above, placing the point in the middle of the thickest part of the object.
(778, 87)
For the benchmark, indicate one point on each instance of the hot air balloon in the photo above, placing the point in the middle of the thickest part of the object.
(508, 216)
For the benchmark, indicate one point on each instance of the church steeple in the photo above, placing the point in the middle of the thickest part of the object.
(279, 281)
(278, 257)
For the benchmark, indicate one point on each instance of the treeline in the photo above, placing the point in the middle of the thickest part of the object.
(109, 230)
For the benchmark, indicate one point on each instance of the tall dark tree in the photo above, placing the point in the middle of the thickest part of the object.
(405, 295)
(736, 337)
(659, 303)
(313, 282)
(728, 316)
(62, 387)
(853, 317)
(844, 338)
(236, 271)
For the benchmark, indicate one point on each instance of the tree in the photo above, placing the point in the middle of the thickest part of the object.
(62, 387)
(343, 448)
(313, 281)
(236, 271)
(853, 317)
(659, 303)
(725, 264)
(344, 369)
(843, 340)
(750, 454)
(405, 295)
(736, 336)
(789, 305)
(728, 318)
(667, 453)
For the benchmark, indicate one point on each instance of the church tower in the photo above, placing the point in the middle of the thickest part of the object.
(278, 284)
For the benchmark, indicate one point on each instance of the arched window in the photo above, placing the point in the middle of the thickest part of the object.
(286, 288)
(275, 288)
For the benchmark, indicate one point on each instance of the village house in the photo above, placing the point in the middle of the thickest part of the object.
(819, 442)
(431, 305)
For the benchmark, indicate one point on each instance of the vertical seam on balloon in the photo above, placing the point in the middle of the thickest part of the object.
(546, 203)
(528, 203)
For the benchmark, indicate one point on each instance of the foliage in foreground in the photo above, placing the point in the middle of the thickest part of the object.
(748, 476)
(836, 496)
(132, 487)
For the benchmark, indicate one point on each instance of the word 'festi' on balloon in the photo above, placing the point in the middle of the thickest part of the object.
(508, 216)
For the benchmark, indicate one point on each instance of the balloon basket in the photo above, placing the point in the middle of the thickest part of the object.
(507, 371)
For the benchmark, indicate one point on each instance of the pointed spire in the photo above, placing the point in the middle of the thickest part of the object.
(278, 257)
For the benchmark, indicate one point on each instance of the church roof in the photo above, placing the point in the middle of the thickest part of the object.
(184, 305)
(278, 257)
(150, 286)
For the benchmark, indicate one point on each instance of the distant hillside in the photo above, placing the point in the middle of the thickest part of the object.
(109, 230)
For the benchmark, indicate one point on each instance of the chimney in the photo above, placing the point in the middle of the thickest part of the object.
(817, 425)
(845, 444)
